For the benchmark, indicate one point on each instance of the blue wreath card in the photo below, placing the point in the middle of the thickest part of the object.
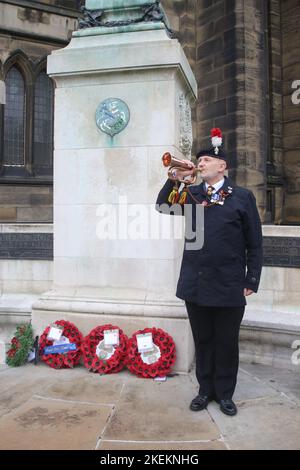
(59, 349)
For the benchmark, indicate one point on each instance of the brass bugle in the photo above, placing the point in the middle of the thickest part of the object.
(177, 164)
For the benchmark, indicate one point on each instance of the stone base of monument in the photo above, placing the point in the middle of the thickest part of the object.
(123, 97)
(130, 317)
(270, 338)
(270, 331)
(270, 327)
(266, 337)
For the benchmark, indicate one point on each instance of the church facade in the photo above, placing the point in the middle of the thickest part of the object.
(247, 67)
(244, 56)
(246, 61)
(29, 31)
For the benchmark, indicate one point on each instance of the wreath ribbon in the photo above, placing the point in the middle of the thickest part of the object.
(65, 360)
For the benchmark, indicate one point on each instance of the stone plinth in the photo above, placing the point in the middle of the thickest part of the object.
(128, 275)
(271, 323)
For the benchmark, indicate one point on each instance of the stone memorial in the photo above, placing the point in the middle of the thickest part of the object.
(124, 91)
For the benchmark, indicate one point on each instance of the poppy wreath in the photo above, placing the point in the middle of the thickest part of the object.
(20, 346)
(67, 360)
(162, 366)
(113, 364)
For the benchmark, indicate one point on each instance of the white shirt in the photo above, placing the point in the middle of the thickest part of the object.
(216, 186)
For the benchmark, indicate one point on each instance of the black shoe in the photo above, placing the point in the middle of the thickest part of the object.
(228, 407)
(200, 402)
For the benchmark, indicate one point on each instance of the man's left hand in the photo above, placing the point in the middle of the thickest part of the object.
(248, 292)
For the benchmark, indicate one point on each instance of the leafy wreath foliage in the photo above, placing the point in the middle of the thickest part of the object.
(20, 346)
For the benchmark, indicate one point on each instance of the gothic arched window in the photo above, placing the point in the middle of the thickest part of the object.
(26, 132)
(14, 119)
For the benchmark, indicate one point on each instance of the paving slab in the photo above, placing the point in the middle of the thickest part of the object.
(282, 380)
(169, 445)
(11, 376)
(93, 388)
(18, 384)
(44, 408)
(249, 387)
(43, 424)
(271, 423)
(41, 373)
(154, 411)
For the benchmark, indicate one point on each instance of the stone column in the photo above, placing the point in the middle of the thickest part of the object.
(252, 113)
(275, 174)
(129, 278)
(290, 36)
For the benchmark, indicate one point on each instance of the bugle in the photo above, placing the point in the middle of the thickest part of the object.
(175, 164)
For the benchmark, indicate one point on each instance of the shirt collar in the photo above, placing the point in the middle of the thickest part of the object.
(216, 186)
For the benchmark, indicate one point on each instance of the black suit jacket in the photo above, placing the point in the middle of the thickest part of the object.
(231, 256)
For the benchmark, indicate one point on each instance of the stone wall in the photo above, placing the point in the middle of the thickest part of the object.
(181, 15)
(21, 281)
(245, 58)
(34, 33)
(252, 105)
(73, 4)
(182, 18)
(28, 203)
(230, 51)
(244, 55)
(275, 177)
(215, 70)
(290, 17)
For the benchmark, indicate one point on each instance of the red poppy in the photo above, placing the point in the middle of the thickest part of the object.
(62, 361)
(113, 364)
(162, 366)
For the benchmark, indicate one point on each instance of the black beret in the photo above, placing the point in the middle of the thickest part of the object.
(212, 153)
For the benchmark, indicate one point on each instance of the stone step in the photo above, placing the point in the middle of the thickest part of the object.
(268, 337)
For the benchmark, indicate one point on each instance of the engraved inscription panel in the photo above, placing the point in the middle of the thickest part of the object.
(281, 252)
(26, 246)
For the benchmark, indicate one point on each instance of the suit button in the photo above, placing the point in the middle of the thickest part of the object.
(253, 279)
(200, 273)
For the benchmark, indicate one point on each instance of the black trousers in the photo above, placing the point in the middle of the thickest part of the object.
(216, 336)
